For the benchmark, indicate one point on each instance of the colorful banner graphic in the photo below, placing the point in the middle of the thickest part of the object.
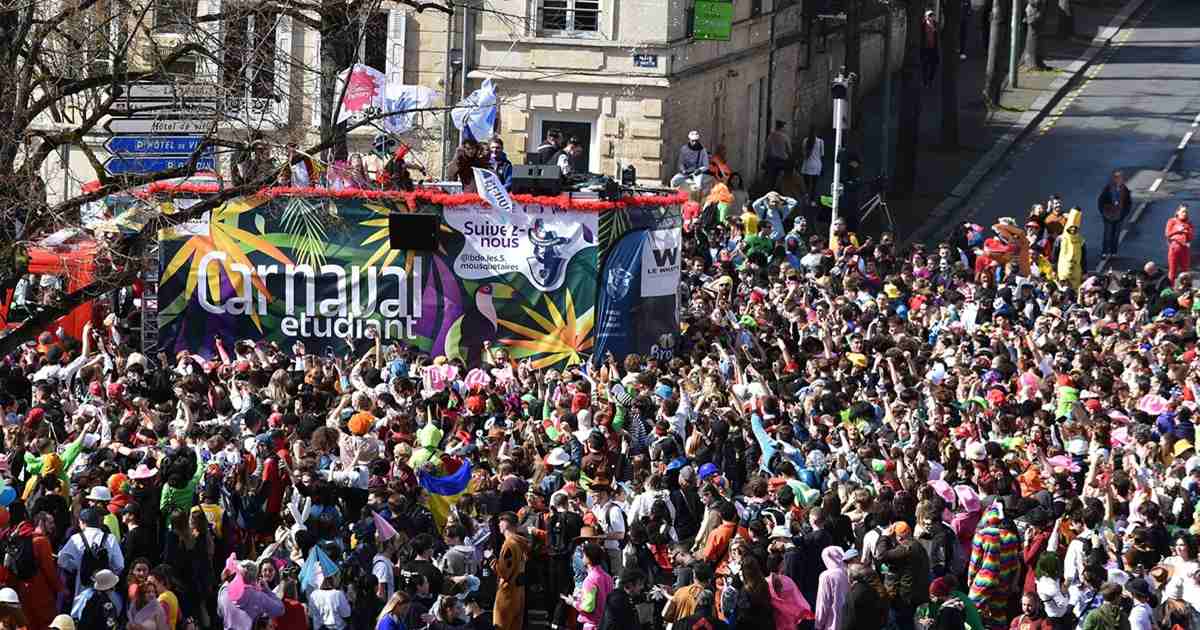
(321, 271)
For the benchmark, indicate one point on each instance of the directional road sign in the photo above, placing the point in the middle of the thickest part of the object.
(156, 145)
(120, 165)
(156, 125)
(170, 92)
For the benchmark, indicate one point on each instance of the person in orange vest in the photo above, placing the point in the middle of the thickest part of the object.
(1179, 233)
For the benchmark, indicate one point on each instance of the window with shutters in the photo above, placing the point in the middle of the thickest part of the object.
(574, 18)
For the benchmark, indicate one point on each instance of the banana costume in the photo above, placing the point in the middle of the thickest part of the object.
(1070, 251)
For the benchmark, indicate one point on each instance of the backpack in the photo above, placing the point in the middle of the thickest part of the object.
(608, 519)
(18, 556)
(101, 613)
(94, 559)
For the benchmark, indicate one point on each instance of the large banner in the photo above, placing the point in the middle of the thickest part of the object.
(321, 271)
(640, 267)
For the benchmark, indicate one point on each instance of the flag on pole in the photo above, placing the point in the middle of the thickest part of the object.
(361, 88)
(444, 492)
(492, 190)
(475, 115)
(403, 99)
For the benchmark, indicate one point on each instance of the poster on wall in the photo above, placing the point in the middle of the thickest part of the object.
(321, 271)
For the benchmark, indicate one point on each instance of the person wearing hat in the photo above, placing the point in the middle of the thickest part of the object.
(909, 568)
(692, 157)
(99, 498)
(509, 567)
(91, 549)
(98, 605)
(11, 614)
(942, 611)
(610, 517)
(62, 622)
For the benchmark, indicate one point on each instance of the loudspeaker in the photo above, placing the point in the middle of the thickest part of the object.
(536, 179)
(416, 232)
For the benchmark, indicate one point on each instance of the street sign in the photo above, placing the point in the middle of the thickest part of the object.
(163, 109)
(158, 145)
(645, 61)
(712, 20)
(170, 92)
(156, 125)
(120, 165)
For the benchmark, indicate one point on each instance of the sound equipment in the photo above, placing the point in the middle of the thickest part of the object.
(416, 232)
(536, 179)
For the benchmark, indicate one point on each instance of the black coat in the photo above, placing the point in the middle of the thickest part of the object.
(938, 547)
(619, 611)
(864, 608)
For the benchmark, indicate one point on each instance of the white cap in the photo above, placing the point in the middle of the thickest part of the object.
(9, 596)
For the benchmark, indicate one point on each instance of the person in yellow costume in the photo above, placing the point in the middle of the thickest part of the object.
(51, 463)
(1071, 251)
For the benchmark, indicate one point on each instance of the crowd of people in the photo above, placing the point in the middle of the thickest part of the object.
(841, 436)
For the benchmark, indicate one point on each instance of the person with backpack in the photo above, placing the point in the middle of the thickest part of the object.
(29, 561)
(92, 549)
(611, 519)
(97, 605)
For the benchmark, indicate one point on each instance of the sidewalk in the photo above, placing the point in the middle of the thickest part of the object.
(946, 177)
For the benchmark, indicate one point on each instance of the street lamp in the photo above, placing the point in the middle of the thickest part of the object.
(842, 91)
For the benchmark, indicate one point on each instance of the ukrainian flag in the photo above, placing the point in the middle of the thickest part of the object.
(442, 493)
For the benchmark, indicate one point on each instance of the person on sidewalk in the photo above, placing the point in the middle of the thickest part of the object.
(1114, 203)
(813, 150)
(778, 158)
(929, 48)
(1179, 233)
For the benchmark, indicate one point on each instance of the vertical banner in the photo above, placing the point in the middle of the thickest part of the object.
(660, 262)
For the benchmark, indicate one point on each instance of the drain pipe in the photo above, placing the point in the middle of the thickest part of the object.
(770, 126)
(448, 91)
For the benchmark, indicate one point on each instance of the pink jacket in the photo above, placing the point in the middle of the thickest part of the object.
(832, 587)
(592, 595)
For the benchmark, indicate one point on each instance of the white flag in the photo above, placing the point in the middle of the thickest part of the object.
(475, 115)
(492, 190)
(361, 88)
(403, 100)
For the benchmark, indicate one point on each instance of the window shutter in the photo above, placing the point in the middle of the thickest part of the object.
(397, 34)
(314, 95)
(212, 36)
(283, 70)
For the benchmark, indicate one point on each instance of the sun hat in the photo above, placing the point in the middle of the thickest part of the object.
(142, 472)
(99, 493)
(104, 580)
(9, 596)
(63, 622)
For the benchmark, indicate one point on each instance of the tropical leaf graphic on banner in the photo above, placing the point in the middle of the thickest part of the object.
(613, 224)
(306, 220)
(226, 235)
(378, 236)
(559, 337)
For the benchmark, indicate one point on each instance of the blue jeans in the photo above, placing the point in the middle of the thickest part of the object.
(1112, 232)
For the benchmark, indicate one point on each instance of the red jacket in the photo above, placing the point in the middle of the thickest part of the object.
(1179, 232)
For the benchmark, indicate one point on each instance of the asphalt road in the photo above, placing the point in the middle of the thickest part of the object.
(1139, 100)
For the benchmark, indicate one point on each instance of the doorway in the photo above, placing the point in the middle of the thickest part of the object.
(581, 131)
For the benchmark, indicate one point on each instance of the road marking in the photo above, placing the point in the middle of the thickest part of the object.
(1187, 137)
(1156, 184)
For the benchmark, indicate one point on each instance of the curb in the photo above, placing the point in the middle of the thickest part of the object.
(939, 218)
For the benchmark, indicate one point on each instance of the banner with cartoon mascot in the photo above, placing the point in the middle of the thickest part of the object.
(320, 270)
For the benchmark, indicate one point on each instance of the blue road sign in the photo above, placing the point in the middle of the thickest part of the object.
(156, 145)
(119, 165)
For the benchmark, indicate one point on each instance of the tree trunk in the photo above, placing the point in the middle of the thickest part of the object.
(992, 74)
(338, 46)
(910, 103)
(951, 15)
(1034, 21)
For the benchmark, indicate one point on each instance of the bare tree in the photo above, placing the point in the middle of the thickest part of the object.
(67, 66)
